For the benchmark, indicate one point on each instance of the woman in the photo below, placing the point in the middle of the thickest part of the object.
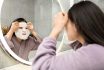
(19, 39)
(84, 23)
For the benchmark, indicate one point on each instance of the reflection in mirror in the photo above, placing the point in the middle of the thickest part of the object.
(19, 39)
(24, 24)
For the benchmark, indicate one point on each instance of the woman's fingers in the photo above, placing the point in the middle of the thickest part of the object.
(15, 23)
(30, 26)
(29, 23)
(15, 26)
(60, 20)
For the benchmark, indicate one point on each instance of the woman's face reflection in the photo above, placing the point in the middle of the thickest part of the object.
(22, 32)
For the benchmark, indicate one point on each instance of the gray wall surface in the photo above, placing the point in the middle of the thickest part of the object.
(13, 9)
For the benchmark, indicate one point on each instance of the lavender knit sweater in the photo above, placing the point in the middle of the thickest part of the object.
(88, 57)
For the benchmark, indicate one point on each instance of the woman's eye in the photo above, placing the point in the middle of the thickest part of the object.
(26, 28)
(20, 27)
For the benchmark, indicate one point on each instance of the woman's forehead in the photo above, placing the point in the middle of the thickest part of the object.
(22, 24)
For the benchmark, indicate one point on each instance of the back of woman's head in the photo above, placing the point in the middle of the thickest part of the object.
(89, 21)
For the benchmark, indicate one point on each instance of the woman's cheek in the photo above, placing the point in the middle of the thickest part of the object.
(71, 32)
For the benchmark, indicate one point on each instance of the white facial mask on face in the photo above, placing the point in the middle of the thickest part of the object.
(22, 33)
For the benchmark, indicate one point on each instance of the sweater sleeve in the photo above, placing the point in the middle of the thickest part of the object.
(46, 58)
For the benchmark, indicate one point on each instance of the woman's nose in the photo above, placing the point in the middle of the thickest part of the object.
(24, 30)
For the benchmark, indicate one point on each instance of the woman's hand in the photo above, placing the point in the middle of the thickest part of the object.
(34, 33)
(30, 26)
(14, 26)
(60, 20)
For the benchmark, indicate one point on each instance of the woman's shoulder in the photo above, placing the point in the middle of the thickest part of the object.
(91, 49)
(92, 46)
